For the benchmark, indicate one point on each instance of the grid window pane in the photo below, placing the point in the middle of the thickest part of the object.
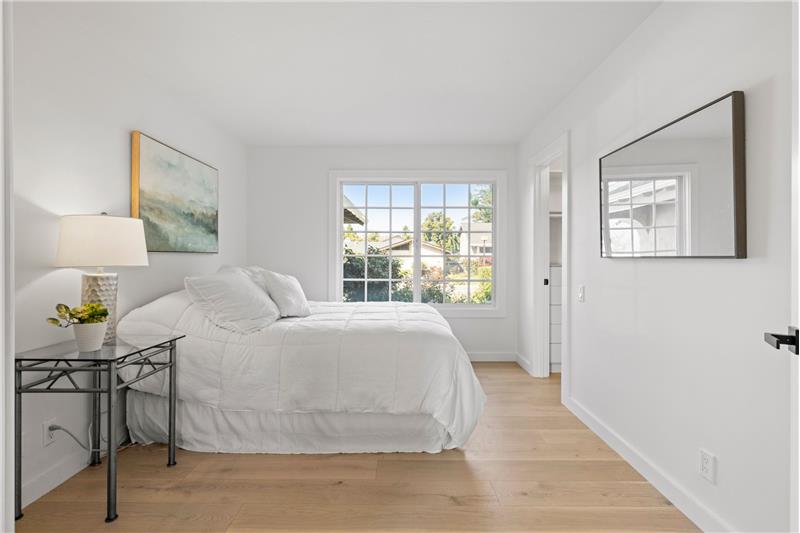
(621, 240)
(619, 192)
(378, 267)
(456, 252)
(666, 190)
(403, 220)
(480, 195)
(378, 291)
(377, 220)
(378, 243)
(354, 243)
(353, 267)
(352, 291)
(402, 268)
(642, 216)
(480, 268)
(481, 293)
(665, 214)
(619, 216)
(354, 195)
(644, 239)
(402, 196)
(432, 293)
(402, 291)
(456, 267)
(642, 191)
(433, 268)
(456, 219)
(456, 195)
(432, 194)
(378, 195)
(666, 239)
(456, 292)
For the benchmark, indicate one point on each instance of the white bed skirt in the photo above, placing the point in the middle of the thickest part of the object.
(203, 428)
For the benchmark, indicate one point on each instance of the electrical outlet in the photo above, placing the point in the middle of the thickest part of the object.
(708, 466)
(48, 437)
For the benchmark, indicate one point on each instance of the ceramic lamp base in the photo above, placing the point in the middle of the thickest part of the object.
(102, 288)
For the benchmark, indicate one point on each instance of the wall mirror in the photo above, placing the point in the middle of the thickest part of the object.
(678, 191)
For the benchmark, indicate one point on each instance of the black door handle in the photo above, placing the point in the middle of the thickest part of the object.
(546, 281)
(792, 340)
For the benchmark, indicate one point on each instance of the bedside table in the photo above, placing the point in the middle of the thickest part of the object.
(52, 369)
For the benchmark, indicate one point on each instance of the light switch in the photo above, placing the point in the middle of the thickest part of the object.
(581, 293)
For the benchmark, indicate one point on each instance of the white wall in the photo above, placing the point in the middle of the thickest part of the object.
(667, 355)
(74, 109)
(288, 214)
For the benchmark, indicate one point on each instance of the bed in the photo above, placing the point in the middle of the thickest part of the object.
(363, 377)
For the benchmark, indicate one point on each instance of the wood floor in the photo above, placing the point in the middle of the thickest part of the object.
(530, 466)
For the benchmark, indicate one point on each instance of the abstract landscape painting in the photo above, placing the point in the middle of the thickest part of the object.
(176, 197)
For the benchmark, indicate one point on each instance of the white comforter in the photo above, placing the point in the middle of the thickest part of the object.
(392, 358)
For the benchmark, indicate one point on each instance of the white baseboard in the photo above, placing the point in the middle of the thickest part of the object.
(492, 356)
(525, 364)
(555, 368)
(68, 466)
(698, 513)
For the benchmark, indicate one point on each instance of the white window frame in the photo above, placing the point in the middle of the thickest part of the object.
(686, 175)
(497, 178)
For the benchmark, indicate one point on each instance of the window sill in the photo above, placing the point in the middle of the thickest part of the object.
(467, 311)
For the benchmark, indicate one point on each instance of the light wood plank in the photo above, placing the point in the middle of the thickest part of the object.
(466, 518)
(507, 470)
(88, 517)
(262, 466)
(579, 494)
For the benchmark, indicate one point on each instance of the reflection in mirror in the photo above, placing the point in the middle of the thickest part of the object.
(678, 191)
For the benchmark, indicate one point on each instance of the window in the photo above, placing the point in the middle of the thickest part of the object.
(417, 241)
(645, 216)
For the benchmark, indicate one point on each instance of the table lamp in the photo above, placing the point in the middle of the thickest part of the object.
(101, 241)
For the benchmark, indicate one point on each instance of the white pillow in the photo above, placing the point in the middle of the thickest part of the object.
(255, 273)
(232, 301)
(287, 293)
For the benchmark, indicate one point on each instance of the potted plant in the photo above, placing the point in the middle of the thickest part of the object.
(89, 322)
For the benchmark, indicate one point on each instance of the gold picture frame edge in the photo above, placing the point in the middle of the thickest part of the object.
(136, 138)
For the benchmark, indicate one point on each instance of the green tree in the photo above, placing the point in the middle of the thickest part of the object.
(481, 197)
(433, 228)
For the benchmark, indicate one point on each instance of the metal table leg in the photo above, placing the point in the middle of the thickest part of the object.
(95, 444)
(172, 404)
(17, 441)
(111, 496)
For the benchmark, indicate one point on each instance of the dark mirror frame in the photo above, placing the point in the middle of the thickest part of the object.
(740, 202)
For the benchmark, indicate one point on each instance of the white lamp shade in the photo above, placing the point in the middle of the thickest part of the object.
(100, 241)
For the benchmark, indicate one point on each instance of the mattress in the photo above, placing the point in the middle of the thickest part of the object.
(344, 360)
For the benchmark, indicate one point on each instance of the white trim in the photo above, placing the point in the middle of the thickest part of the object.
(539, 363)
(555, 368)
(794, 286)
(492, 356)
(7, 281)
(67, 466)
(498, 177)
(687, 503)
(525, 364)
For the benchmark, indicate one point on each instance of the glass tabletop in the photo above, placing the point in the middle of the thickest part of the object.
(123, 347)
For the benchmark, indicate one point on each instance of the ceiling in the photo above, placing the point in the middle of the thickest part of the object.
(352, 73)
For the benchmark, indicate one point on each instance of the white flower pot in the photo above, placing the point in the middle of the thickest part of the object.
(90, 336)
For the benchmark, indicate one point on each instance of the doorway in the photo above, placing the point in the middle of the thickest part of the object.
(551, 261)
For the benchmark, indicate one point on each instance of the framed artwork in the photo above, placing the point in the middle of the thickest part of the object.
(175, 195)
